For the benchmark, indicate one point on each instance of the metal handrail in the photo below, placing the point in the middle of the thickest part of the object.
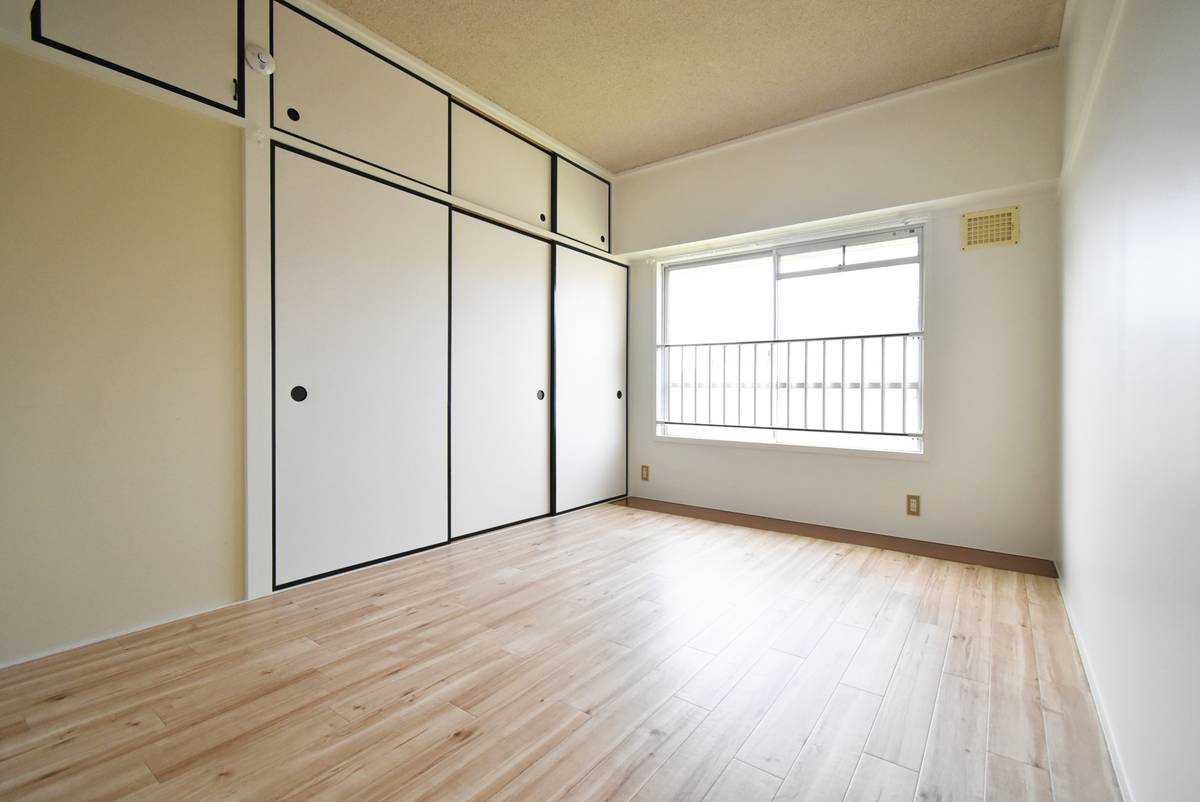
(799, 339)
(781, 364)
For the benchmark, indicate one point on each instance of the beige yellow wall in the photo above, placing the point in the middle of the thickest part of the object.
(121, 386)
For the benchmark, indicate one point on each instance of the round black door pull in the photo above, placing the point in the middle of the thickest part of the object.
(299, 393)
(542, 217)
(602, 238)
(618, 393)
(293, 115)
(541, 395)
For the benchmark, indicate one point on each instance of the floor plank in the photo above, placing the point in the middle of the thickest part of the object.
(877, 780)
(955, 761)
(902, 726)
(826, 764)
(741, 782)
(1009, 779)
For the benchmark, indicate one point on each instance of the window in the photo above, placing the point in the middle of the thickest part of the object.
(815, 343)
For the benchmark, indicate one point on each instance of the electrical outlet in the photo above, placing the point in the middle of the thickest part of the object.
(914, 505)
(645, 473)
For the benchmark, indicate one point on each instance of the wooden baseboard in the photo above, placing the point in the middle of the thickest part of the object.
(922, 548)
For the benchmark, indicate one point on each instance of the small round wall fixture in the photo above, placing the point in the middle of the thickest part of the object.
(299, 393)
(259, 60)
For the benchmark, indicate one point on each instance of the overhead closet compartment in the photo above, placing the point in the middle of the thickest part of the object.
(583, 205)
(360, 323)
(495, 168)
(500, 402)
(188, 47)
(590, 378)
(335, 92)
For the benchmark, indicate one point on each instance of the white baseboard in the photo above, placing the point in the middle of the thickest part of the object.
(1101, 711)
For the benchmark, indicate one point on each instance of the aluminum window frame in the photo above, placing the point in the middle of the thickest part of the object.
(776, 253)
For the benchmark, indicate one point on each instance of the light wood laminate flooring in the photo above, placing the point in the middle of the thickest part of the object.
(611, 653)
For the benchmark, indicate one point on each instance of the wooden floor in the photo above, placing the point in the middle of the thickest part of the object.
(611, 653)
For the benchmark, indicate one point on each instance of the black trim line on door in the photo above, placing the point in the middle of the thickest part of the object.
(36, 35)
(498, 527)
(304, 580)
(449, 364)
(592, 254)
(576, 239)
(360, 159)
(593, 504)
(586, 170)
(554, 195)
(609, 241)
(274, 488)
(553, 380)
(628, 280)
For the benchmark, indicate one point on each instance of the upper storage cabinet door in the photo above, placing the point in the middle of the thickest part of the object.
(334, 92)
(583, 206)
(191, 47)
(497, 169)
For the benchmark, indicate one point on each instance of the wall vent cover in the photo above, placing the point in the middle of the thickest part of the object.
(990, 228)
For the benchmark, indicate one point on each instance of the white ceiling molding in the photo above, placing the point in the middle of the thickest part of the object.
(632, 83)
(759, 136)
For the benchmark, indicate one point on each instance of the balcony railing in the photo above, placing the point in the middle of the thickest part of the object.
(869, 384)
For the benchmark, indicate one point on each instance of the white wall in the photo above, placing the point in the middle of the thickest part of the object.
(990, 475)
(997, 127)
(1085, 37)
(1131, 393)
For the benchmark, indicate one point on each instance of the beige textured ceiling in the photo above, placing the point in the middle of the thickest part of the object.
(628, 82)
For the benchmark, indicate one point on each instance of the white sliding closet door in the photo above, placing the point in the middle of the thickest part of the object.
(360, 291)
(500, 399)
(589, 365)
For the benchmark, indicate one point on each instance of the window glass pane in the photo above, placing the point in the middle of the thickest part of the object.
(727, 302)
(810, 260)
(898, 248)
(882, 300)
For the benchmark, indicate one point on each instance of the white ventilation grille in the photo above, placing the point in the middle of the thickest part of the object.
(990, 228)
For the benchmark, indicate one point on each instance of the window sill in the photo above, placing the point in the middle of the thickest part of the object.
(903, 456)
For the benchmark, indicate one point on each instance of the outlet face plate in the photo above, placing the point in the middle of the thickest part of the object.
(912, 505)
(645, 473)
